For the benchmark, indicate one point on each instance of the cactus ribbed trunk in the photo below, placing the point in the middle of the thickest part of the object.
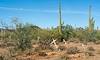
(91, 21)
(60, 18)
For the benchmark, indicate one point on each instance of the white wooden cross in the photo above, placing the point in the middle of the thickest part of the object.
(54, 42)
(64, 41)
(84, 47)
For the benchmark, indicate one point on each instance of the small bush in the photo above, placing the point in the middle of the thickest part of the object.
(45, 45)
(10, 44)
(4, 54)
(91, 49)
(3, 45)
(89, 53)
(65, 57)
(62, 48)
(72, 50)
(42, 54)
(97, 42)
(12, 51)
(37, 49)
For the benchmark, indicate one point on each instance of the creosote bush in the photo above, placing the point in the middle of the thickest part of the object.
(23, 37)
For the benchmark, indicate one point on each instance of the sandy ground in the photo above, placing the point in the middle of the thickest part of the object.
(57, 55)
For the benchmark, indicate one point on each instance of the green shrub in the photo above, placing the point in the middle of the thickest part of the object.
(23, 37)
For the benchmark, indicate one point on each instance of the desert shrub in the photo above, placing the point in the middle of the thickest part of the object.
(75, 40)
(97, 35)
(97, 42)
(2, 45)
(72, 50)
(44, 34)
(12, 51)
(5, 54)
(89, 53)
(23, 37)
(10, 44)
(42, 54)
(65, 57)
(85, 36)
(62, 48)
(90, 49)
(54, 32)
(37, 49)
(45, 45)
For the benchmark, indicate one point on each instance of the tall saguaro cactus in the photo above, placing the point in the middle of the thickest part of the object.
(91, 21)
(60, 18)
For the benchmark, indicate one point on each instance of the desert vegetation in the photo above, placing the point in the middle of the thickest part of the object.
(25, 41)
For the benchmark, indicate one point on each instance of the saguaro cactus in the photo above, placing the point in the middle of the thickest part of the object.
(91, 21)
(60, 18)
